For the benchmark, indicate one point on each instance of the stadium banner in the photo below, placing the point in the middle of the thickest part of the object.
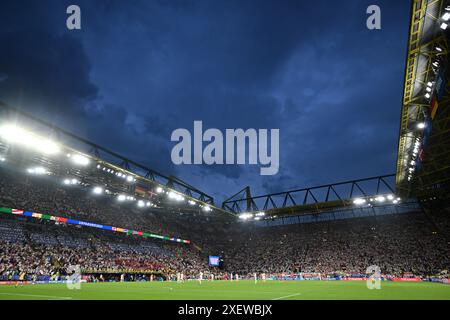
(88, 224)
(407, 279)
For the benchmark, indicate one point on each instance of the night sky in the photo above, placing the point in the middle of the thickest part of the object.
(137, 70)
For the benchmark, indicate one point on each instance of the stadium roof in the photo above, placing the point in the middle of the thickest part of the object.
(107, 172)
(423, 150)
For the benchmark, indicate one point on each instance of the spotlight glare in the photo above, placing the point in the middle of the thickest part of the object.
(20, 136)
(80, 160)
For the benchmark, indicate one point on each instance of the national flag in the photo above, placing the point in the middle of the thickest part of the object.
(421, 155)
(433, 107)
(140, 190)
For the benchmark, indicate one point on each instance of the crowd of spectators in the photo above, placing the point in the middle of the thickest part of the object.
(401, 244)
(44, 250)
(398, 244)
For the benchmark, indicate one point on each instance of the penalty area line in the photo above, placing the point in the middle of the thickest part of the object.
(288, 296)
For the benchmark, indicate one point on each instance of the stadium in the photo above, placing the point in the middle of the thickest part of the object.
(79, 221)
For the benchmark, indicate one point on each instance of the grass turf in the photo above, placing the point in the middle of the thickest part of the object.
(242, 290)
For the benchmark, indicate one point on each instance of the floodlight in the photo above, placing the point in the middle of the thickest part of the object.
(141, 203)
(380, 199)
(260, 214)
(37, 170)
(129, 178)
(159, 190)
(66, 181)
(172, 195)
(446, 16)
(98, 190)
(429, 84)
(191, 202)
(2, 159)
(207, 208)
(427, 95)
(121, 197)
(359, 201)
(444, 26)
(245, 216)
(428, 89)
(421, 125)
(390, 197)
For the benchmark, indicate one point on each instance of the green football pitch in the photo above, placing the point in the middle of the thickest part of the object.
(242, 290)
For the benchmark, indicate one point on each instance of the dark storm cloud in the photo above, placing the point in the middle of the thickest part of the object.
(140, 69)
(46, 71)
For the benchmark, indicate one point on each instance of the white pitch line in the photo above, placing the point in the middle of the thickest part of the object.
(291, 295)
(34, 295)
